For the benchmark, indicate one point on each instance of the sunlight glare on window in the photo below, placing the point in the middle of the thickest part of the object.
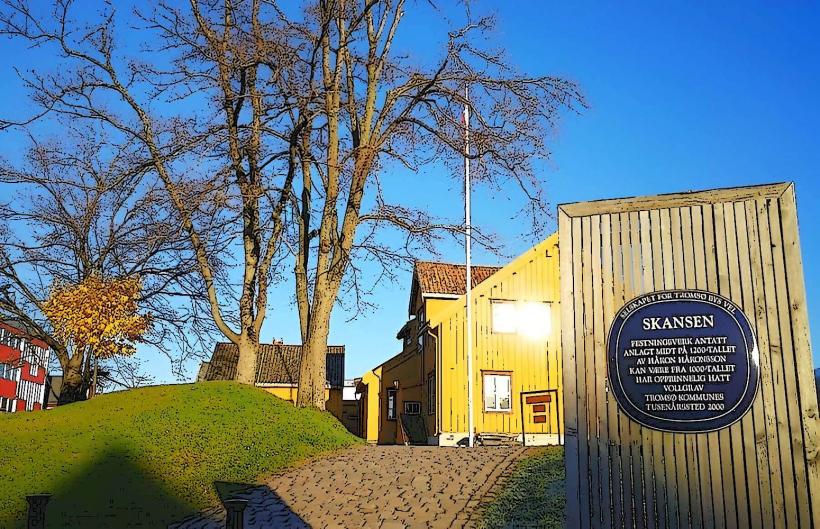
(503, 316)
(530, 319)
(534, 319)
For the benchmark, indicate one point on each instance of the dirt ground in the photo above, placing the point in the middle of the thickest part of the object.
(384, 487)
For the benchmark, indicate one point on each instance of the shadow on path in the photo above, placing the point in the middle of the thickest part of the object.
(265, 509)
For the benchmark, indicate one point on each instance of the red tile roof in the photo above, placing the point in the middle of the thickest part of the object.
(449, 279)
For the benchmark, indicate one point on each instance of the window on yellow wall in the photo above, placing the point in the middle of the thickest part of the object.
(503, 315)
(497, 392)
(528, 318)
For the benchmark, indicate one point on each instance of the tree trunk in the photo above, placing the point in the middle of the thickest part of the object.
(87, 374)
(246, 365)
(92, 392)
(73, 388)
(312, 372)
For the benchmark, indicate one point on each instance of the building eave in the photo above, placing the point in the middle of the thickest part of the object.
(439, 295)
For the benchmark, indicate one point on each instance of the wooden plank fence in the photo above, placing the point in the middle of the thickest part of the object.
(761, 472)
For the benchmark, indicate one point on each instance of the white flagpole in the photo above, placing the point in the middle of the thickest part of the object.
(468, 237)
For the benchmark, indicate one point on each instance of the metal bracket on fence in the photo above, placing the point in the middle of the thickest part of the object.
(36, 518)
(235, 517)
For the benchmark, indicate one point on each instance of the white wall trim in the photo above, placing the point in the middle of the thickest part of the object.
(452, 439)
(542, 439)
(460, 438)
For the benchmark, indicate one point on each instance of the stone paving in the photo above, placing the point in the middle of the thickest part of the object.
(380, 487)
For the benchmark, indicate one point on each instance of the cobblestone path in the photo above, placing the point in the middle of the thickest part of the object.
(380, 487)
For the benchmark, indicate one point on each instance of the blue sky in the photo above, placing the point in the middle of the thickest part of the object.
(682, 97)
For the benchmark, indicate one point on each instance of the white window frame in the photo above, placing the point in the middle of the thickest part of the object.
(392, 404)
(412, 407)
(490, 386)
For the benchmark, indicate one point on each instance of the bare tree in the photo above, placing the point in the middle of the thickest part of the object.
(220, 148)
(285, 120)
(378, 112)
(81, 209)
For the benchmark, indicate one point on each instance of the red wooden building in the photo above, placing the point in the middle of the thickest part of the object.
(23, 363)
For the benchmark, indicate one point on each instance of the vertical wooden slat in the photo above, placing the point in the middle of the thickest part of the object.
(591, 407)
(569, 263)
(763, 409)
(783, 498)
(727, 446)
(605, 318)
(781, 357)
(647, 280)
(620, 230)
(670, 459)
(580, 358)
(795, 432)
(742, 289)
(802, 350)
(599, 374)
(679, 441)
(634, 287)
(659, 462)
(687, 258)
(740, 431)
(701, 440)
(713, 439)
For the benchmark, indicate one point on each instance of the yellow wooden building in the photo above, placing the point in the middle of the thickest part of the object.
(420, 395)
(277, 371)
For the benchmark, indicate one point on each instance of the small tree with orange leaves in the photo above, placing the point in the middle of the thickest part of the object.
(97, 319)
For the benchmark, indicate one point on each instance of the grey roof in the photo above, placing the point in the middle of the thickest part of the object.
(278, 364)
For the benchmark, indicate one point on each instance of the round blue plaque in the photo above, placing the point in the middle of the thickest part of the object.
(683, 361)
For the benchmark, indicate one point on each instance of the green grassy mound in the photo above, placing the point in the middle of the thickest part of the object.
(146, 457)
(533, 496)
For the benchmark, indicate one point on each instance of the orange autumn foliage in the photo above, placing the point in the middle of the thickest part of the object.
(100, 314)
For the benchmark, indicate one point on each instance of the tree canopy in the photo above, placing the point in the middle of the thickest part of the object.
(272, 129)
(99, 314)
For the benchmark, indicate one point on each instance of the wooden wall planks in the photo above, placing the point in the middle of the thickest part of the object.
(760, 472)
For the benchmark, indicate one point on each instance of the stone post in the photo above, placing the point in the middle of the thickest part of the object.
(235, 517)
(37, 510)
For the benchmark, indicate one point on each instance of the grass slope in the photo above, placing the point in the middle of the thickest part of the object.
(145, 457)
(533, 496)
